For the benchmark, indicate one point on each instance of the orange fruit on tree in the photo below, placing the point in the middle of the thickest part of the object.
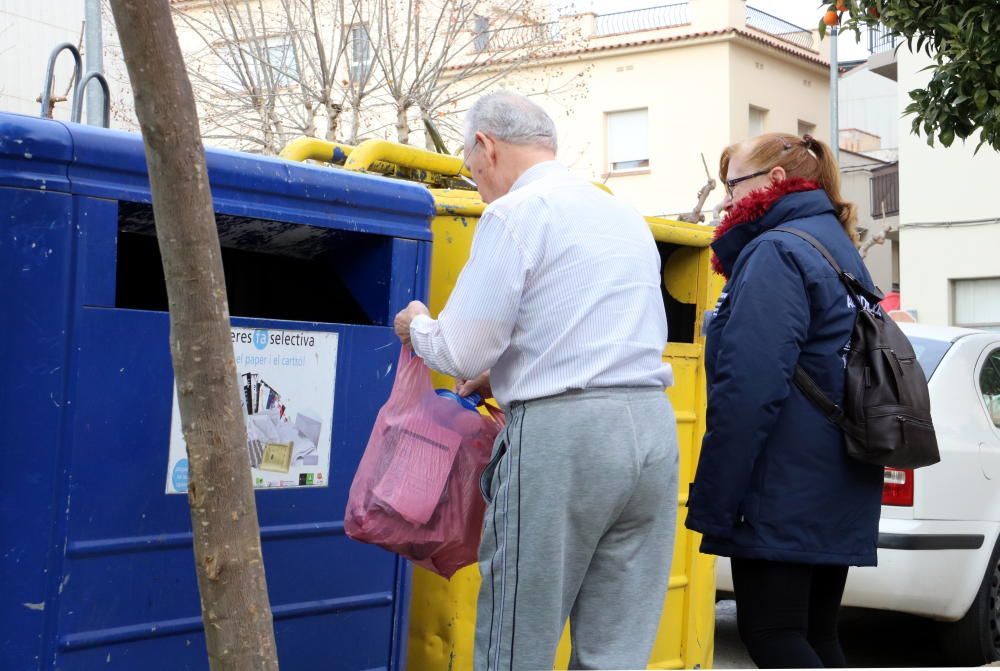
(873, 11)
(841, 6)
(831, 18)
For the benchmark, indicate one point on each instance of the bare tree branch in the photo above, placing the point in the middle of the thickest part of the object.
(443, 59)
(269, 70)
(879, 238)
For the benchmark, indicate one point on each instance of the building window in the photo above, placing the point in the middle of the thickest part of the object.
(757, 118)
(361, 54)
(977, 303)
(989, 385)
(628, 140)
(281, 59)
(806, 128)
(262, 63)
(885, 191)
(482, 30)
(230, 75)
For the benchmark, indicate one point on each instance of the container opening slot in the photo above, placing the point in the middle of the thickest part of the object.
(681, 316)
(274, 270)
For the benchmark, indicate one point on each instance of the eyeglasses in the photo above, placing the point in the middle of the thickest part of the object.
(465, 160)
(731, 183)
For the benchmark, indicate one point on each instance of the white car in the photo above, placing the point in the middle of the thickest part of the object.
(938, 550)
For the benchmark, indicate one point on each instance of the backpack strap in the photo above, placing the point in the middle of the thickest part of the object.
(815, 243)
(833, 412)
(854, 286)
(807, 386)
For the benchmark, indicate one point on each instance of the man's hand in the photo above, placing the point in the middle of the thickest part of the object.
(479, 385)
(402, 322)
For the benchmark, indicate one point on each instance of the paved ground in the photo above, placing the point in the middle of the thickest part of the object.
(729, 650)
(870, 639)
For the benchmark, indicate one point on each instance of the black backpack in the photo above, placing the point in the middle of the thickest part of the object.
(886, 416)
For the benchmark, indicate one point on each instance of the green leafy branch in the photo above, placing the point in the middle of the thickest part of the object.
(961, 36)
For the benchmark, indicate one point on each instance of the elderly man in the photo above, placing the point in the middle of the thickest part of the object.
(559, 308)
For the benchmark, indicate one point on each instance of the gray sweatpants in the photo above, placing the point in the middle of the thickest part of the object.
(583, 504)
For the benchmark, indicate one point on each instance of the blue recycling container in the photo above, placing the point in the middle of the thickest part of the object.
(96, 558)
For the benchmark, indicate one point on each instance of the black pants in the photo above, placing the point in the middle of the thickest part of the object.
(787, 613)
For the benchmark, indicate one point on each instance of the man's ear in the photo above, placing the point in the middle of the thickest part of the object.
(489, 147)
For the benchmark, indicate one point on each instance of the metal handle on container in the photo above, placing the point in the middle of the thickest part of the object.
(50, 74)
(78, 97)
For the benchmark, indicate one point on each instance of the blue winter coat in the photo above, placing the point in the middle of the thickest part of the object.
(774, 481)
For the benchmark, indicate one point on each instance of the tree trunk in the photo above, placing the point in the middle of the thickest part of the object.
(279, 137)
(402, 125)
(235, 609)
(355, 122)
(310, 115)
(333, 111)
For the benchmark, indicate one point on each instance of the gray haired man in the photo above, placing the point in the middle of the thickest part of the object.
(559, 310)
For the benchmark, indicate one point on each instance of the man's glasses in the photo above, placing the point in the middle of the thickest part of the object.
(465, 160)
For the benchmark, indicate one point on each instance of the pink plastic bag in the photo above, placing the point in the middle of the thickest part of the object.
(416, 491)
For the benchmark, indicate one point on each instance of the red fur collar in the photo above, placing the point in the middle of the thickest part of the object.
(755, 205)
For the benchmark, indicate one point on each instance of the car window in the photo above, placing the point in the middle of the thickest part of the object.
(929, 353)
(989, 385)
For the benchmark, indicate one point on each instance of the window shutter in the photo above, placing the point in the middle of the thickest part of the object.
(628, 137)
(977, 302)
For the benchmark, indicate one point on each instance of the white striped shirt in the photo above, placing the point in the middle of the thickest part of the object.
(561, 291)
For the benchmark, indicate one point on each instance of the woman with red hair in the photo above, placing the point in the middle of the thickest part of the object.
(775, 489)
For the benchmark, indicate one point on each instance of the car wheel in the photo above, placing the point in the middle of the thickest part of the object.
(975, 639)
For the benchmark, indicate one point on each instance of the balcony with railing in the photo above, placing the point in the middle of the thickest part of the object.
(775, 27)
(885, 191)
(880, 39)
(882, 47)
(636, 20)
(517, 38)
(614, 27)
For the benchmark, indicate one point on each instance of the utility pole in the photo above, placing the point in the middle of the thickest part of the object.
(834, 96)
(94, 55)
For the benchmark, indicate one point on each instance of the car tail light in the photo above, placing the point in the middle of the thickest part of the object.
(897, 487)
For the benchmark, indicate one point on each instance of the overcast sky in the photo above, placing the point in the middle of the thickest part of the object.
(805, 13)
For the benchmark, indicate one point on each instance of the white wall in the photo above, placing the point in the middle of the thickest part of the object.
(868, 102)
(855, 185)
(943, 188)
(29, 30)
(938, 184)
(878, 260)
(698, 94)
(931, 257)
(679, 132)
(789, 89)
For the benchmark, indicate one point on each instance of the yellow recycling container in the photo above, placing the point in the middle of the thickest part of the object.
(443, 612)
